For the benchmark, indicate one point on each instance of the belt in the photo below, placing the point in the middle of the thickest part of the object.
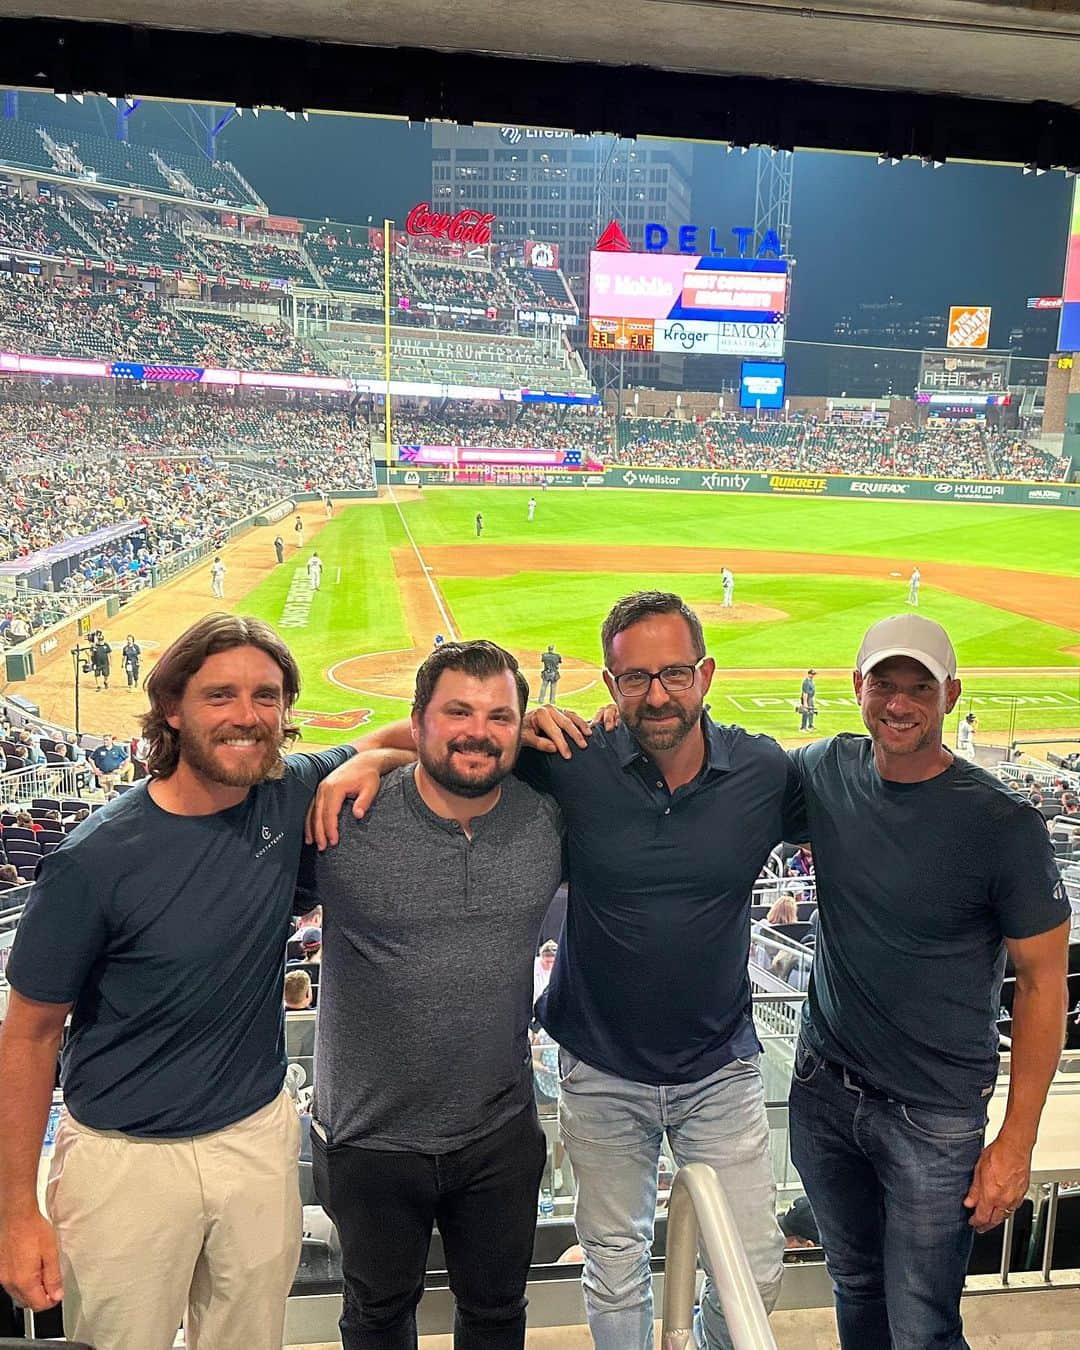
(855, 1082)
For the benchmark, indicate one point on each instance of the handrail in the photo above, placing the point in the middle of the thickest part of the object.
(698, 1207)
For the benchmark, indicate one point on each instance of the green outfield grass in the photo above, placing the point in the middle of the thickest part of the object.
(1037, 539)
(827, 616)
(363, 611)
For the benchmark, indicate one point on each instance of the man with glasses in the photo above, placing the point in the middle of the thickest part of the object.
(669, 819)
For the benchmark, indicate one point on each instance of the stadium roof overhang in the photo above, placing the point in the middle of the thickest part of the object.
(974, 79)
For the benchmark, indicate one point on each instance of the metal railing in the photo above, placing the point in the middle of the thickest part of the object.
(699, 1209)
(44, 780)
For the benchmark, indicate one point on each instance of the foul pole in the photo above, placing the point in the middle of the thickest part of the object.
(388, 243)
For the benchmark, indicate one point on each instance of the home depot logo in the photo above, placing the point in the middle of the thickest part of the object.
(969, 326)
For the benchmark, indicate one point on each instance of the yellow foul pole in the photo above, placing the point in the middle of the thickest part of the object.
(388, 243)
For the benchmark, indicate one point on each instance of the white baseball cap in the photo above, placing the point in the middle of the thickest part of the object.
(908, 635)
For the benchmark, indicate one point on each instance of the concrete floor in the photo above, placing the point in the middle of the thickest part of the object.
(1047, 1320)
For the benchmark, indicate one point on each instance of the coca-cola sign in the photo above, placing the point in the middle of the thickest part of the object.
(466, 227)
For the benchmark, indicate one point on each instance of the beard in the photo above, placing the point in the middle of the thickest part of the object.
(198, 751)
(653, 734)
(443, 770)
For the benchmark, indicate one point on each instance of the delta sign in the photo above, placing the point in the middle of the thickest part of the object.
(709, 304)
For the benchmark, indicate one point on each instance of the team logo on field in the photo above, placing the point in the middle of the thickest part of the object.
(334, 721)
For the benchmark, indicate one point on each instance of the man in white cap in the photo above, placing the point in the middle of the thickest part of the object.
(927, 870)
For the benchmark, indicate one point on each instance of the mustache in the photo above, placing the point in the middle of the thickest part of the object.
(658, 714)
(243, 733)
(476, 746)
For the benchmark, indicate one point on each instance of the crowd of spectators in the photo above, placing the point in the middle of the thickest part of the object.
(72, 469)
(347, 262)
(1013, 457)
(58, 319)
(53, 319)
(36, 227)
(819, 447)
(537, 426)
(124, 237)
(225, 340)
(260, 258)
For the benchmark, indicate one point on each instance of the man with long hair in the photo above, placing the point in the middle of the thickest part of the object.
(160, 925)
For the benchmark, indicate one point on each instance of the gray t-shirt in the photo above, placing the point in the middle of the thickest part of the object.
(429, 939)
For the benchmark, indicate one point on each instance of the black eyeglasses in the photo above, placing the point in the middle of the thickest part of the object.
(637, 683)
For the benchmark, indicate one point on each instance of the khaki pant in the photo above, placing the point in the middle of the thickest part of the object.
(154, 1232)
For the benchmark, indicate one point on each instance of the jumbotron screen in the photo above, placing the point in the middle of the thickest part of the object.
(953, 372)
(680, 302)
(1069, 336)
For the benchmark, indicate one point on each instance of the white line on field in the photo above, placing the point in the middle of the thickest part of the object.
(337, 579)
(426, 571)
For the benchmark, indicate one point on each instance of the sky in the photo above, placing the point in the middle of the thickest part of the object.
(960, 235)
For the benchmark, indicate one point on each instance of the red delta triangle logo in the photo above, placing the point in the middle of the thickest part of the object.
(613, 240)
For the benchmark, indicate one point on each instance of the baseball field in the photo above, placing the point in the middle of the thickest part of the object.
(810, 576)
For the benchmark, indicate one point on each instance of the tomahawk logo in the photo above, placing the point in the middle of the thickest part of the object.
(511, 135)
(629, 478)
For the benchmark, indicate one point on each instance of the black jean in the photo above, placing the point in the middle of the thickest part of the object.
(483, 1198)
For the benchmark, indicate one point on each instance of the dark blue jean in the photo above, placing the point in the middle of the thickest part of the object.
(887, 1183)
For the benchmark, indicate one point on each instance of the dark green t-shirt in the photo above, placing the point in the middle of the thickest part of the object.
(918, 886)
(167, 934)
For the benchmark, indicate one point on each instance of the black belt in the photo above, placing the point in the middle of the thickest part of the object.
(855, 1082)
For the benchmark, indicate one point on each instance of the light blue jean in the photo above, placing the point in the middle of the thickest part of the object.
(613, 1130)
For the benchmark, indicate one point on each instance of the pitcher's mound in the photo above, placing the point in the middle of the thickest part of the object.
(738, 613)
(393, 674)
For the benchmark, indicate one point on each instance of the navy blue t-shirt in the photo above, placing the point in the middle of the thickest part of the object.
(918, 886)
(167, 933)
(650, 981)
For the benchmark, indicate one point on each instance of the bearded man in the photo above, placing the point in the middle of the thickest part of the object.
(160, 925)
(424, 1107)
(669, 819)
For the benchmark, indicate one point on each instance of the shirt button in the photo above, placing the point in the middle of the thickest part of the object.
(659, 782)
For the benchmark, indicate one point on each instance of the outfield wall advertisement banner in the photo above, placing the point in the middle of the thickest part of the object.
(784, 483)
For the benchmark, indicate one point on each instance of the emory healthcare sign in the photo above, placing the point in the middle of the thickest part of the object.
(969, 326)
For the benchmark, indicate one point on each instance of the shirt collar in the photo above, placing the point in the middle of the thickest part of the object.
(717, 747)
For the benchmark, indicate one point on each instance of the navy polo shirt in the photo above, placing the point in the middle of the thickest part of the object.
(109, 759)
(650, 982)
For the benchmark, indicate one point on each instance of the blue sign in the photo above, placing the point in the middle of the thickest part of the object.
(706, 243)
(762, 384)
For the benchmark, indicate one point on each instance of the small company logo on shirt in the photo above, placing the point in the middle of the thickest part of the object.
(271, 840)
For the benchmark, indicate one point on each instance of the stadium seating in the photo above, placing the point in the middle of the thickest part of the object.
(98, 159)
(57, 320)
(22, 146)
(768, 445)
(348, 264)
(258, 259)
(37, 227)
(124, 237)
